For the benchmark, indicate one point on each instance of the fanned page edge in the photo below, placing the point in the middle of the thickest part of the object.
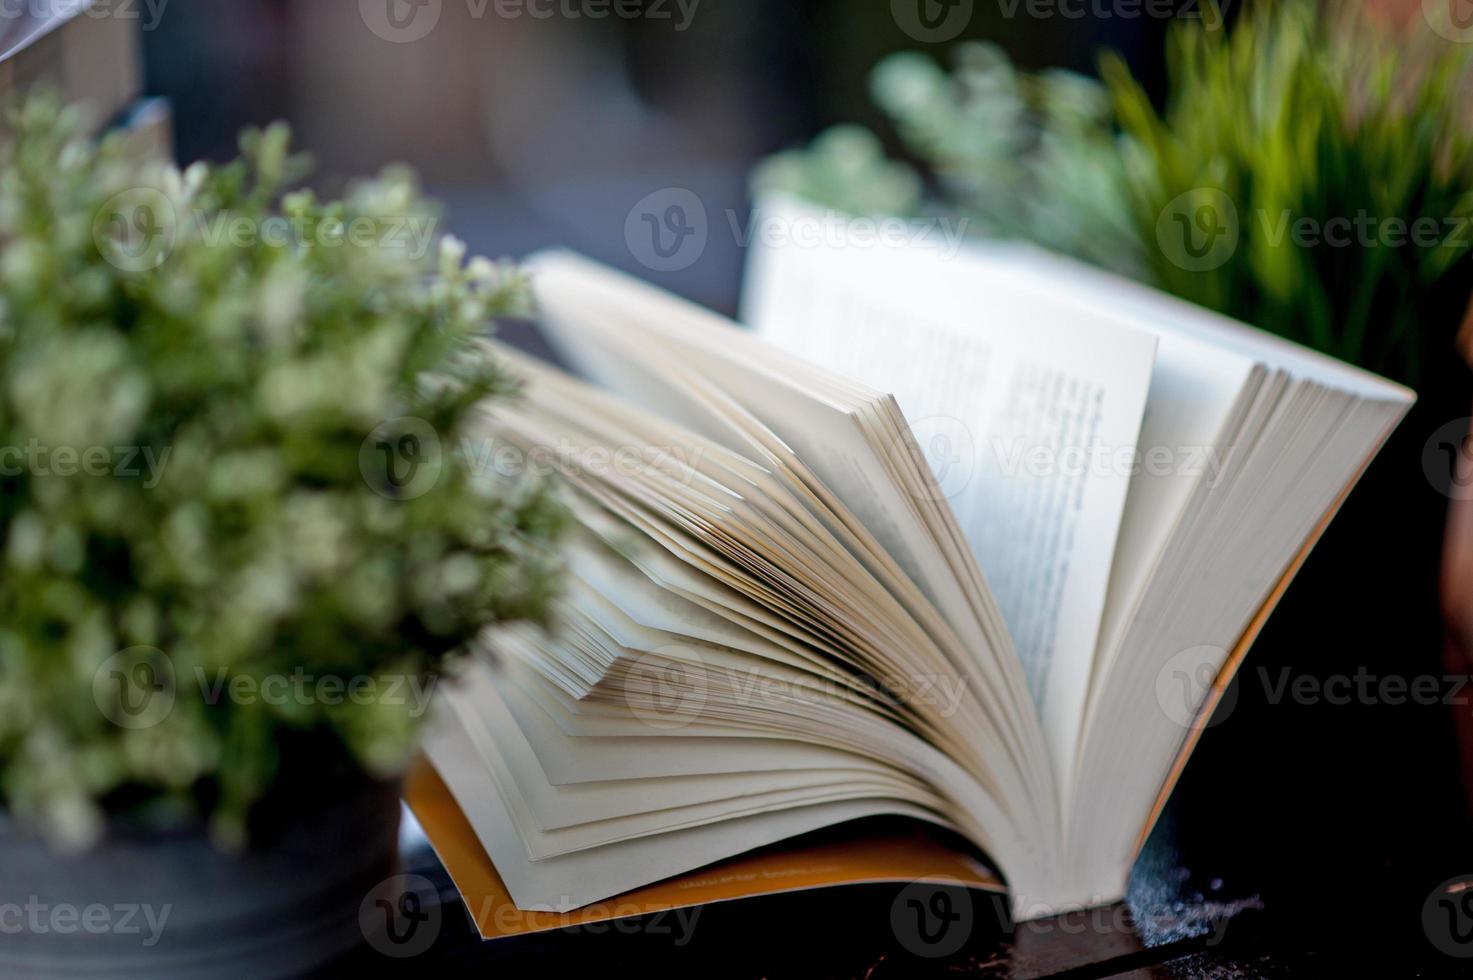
(753, 875)
(1240, 652)
(784, 868)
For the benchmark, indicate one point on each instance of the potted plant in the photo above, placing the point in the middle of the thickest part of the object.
(240, 544)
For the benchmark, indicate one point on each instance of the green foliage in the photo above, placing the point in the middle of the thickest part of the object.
(1311, 172)
(1319, 120)
(1029, 156)
(191, 365)
(1018, 156)
(845, 169)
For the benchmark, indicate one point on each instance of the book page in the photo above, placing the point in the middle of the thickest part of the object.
(1028, 413)
(1188, 416)
(572, 880)
(899, 855)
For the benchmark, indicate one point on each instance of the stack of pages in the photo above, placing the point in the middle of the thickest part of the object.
(965, 537)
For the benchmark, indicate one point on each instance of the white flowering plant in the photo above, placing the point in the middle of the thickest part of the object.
(233, 516)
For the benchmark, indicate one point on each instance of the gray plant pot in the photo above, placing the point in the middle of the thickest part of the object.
(170, 906)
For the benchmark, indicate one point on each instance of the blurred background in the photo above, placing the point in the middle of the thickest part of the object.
(537, 127)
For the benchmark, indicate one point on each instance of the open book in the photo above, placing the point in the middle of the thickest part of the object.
(966, 538)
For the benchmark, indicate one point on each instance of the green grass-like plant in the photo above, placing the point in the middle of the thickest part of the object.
(1311, 170)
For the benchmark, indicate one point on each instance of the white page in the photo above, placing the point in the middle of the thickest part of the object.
(567, 882)
(1025, 411)
(1193, 395)
(821, 417)
(1163, 314)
